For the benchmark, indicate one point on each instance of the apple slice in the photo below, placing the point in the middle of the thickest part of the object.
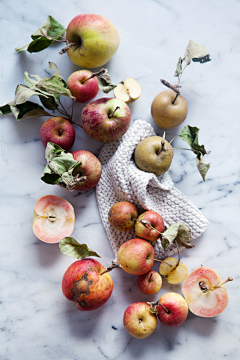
(53, 219)
(205, 292)
(128, 90)
(175, 274)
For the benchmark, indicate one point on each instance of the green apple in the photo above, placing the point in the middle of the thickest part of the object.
(95, 40)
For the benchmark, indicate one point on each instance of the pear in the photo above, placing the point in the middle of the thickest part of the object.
(154, 154)
(128, 90)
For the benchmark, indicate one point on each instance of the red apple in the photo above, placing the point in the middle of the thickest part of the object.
(84, 90)
(84, 284)
(145, 231)
(95, 40)
(53, 219)
(205, 292)
(90, 169)
(59, 131)
(106, 119)
(150, 283)
(122, 214)
(139, 321)
(174, 309)
(136, 256)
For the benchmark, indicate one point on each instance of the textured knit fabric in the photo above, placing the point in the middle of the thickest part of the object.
(121, 180)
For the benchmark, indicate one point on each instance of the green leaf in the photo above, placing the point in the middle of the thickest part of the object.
(179, 232)
(71, 247)
(54, 86)
(49, 103)
(53, 67)
(61, 168)
(29, 81)
(28, 110)
(5, 109)
(189, 134)
(153, 310)
(179, 69)
(196, 52)
(105, 82)
(44, 36)
(202, 166)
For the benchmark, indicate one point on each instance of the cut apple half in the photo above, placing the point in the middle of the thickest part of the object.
(175, 274)
(205, 292)
(128, 90)
(53, 219)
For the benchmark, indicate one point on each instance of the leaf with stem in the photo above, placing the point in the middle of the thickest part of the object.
(71, 247)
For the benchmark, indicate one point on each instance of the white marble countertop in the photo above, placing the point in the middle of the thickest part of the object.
(37, 322)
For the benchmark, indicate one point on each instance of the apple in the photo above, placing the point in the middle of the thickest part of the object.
(106, 119)
(172, 309)
(83, 88)
(145, 231)
(139, 321)
(153, 154)
(168, 113)
(95, 40)
(150, 283)
(90, 169)
(122, 215)
(59, 131)
(205, 292)
(128, 90)
(175, 274)
(136, 256)
(84, 284)
(53, 219)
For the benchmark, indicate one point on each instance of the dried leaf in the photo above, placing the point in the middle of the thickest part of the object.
(196, 52)
(179, 232)
(202, 166)
(179, 70)
(71, 247)
(189, 134)
(28, 110)
(105, 82)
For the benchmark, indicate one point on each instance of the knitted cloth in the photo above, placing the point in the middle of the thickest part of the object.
(121, 180)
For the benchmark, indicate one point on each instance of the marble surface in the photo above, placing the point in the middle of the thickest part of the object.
(37, 322)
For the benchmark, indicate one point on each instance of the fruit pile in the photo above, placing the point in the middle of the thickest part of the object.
(87, 282)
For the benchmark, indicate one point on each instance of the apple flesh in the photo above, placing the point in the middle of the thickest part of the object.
(83, 89)
(136, 256)
(204, 293)
(89, 171)
(149, 157)
(106, 119)
(150, 283)
(139, 321)
(175, 274)
(95, 40)
(53, 219)
(168, 113)
(84, 284)
(128, 90)
(59, 131)
(145, 231)
(174, 309)
(122, 214)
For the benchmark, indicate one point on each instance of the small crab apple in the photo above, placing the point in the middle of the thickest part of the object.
(175, 274)
(136, 256)
(172, 309)
(122, 215)
(90, 169)
(146, 231)
(53, 219)
(84, 283)
(205, 292)
(82, 86)
(139, 321)
(59, 131)
(150, 283)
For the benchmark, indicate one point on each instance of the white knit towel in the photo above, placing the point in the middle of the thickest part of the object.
(121, 180)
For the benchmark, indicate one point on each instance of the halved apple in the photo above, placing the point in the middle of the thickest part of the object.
(174, 274)
(205, 292)
(53, 219)
(128, 90)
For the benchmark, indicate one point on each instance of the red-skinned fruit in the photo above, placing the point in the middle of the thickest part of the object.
(122, 214)
(59, 131)
(83, 89)
(174, 309)
(145, 231)
(150, 283)
(83, 284)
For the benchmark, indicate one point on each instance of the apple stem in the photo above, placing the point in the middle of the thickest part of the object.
(111, 115)
(178, 253)
(170, 86)
(68, 44)
(167, 311)
(162, 147)
(224, 282)
(175, 98)
(149, 280)
(157, 303)
(75, 123)
(67, 47)
(102, 71)
(110, 268)
(162, 261)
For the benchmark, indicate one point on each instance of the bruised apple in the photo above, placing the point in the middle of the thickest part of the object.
(122, 215)
(84, 283)
(53, 219)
